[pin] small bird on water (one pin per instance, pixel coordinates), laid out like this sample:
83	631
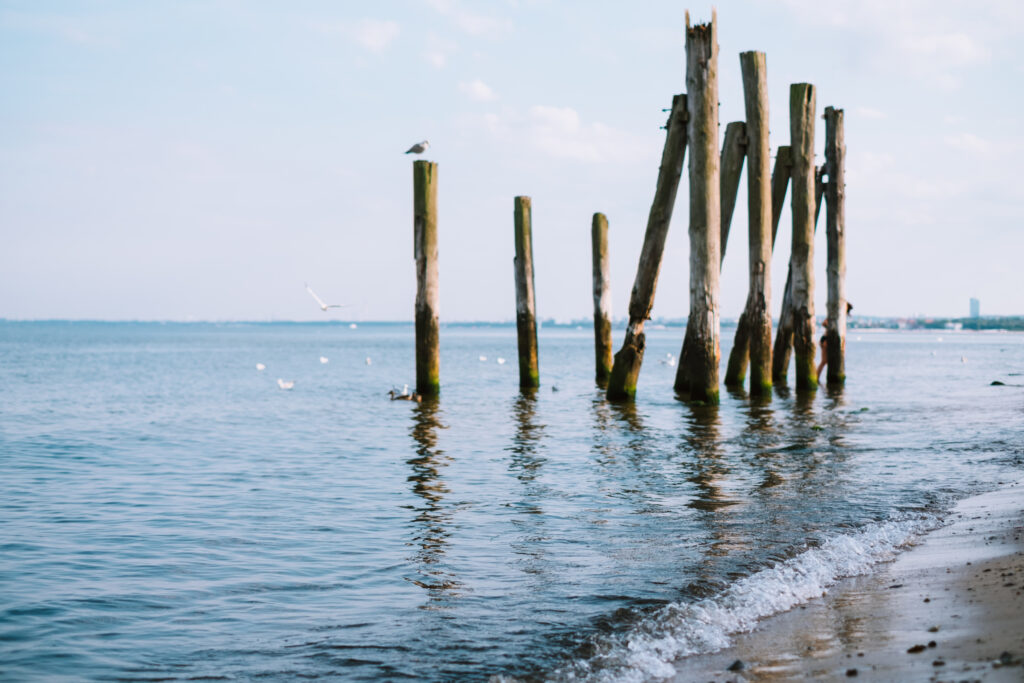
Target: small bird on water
418	148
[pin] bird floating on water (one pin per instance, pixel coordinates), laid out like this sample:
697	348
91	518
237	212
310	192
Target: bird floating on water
501	361
483	359
324	359
368	361
404	395
320	302
418	148
285	384
261	366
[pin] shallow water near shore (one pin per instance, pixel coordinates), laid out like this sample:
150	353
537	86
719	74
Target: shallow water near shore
167	512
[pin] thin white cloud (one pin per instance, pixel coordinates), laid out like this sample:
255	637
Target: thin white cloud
375	35
869	113
970	144
438	51
468	21
560	132
477	90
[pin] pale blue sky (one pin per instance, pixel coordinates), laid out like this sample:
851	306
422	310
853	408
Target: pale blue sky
202	160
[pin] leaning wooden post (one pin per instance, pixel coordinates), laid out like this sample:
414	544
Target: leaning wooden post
697	375
428	354
734	149
736	370
801	124
526	316
835	227
602	300
626	368
758	319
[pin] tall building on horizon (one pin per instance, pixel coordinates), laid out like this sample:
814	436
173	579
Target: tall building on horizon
975	308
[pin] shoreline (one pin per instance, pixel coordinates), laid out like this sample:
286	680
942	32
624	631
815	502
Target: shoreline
951	607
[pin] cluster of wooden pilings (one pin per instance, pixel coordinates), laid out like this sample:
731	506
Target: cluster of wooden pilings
714	176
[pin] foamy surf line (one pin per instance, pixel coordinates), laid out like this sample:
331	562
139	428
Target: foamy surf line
647	650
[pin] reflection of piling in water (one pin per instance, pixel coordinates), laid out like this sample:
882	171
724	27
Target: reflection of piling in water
627	362
526	315
432	518
428	354
602	300
697	373
528	435
702	439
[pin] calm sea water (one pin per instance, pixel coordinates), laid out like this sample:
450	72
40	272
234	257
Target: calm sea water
167	512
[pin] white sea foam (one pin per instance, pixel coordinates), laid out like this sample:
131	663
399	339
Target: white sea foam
646	651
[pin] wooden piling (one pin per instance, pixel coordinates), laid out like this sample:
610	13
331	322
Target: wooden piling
801	124
428	354
835	227
602	300
626	366
526	315
784	333
734	149
736	370
757	314
697	374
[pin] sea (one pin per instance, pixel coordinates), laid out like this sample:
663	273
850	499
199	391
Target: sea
168	512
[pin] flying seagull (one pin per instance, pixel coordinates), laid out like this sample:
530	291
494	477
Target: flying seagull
320	302
418	148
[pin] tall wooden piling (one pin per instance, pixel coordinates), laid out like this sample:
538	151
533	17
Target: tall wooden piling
801	124
736	370
428	354
602	300
784	333
626	366
835	226
759	200
697	375
526	315
734	150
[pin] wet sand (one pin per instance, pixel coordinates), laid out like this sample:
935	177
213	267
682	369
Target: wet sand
949	609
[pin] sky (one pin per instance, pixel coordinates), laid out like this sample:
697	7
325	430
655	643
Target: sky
202	160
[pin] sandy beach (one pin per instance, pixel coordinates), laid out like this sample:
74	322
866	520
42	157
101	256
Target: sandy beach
951	608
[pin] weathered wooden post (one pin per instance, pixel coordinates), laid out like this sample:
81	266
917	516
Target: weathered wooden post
801	124
602	300
626	368
428	354
526	316
734	149
784	333
835	226
736	370
758	319
697	375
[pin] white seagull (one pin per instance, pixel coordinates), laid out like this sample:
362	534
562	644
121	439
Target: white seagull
320	302
261	367
285	385
324	359
418	148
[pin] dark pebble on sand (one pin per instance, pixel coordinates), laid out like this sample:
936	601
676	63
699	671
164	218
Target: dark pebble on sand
915	649
738	665
997	383
932	643
938	662
933	629
851	672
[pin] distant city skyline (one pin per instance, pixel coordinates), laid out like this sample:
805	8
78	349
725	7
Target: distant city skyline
204	161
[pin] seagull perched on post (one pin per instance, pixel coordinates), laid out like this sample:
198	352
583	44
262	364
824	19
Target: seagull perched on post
418	148
320	302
